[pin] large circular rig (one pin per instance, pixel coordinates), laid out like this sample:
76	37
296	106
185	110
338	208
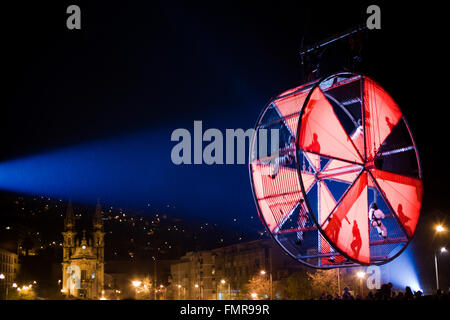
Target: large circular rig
344	185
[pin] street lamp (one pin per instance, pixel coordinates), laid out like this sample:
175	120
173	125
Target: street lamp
2	277
163	290
361	275
442	250
179	294
223	282
136	284
197	293
439	229
263	273
254	295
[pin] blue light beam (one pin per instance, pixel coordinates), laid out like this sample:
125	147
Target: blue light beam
131	171
403	271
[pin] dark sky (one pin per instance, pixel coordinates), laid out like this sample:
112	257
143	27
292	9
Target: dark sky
160	66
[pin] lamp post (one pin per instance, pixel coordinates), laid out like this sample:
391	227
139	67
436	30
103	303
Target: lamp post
263	273
441	250
164	291
222	282
179	291
2	277
197	293
439	229
136	284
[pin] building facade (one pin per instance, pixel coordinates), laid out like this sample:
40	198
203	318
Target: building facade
83	258
223	273
9	267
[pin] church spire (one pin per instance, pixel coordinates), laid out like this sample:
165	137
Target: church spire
98	221
69	221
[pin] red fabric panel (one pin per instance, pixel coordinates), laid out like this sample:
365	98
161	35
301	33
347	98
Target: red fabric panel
295	89
314	160
324	248
308	180
327	202
382	114
404	195
348	227
280	207
322	133
277	197
292	123
291	104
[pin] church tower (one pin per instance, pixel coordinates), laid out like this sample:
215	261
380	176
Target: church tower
83	258
98	236
69	235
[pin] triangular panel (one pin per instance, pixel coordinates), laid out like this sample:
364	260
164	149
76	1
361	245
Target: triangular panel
348	226
381	116
404	195
322	133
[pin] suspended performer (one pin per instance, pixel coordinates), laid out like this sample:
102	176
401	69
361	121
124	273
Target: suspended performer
358	136
302	221
286	158
375	216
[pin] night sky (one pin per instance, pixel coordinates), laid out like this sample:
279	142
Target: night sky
143	69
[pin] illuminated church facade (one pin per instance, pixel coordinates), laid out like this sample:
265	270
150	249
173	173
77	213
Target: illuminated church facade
83	258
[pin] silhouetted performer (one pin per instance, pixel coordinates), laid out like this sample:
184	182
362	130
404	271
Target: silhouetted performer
375	216
333	228
403	218
358	136
315	145
357	242
389	123
286	158
302	220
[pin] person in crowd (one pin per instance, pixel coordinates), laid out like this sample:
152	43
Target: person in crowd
385	291
347	295
408	294
418	295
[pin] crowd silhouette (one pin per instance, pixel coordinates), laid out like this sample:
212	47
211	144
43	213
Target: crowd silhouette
386	292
